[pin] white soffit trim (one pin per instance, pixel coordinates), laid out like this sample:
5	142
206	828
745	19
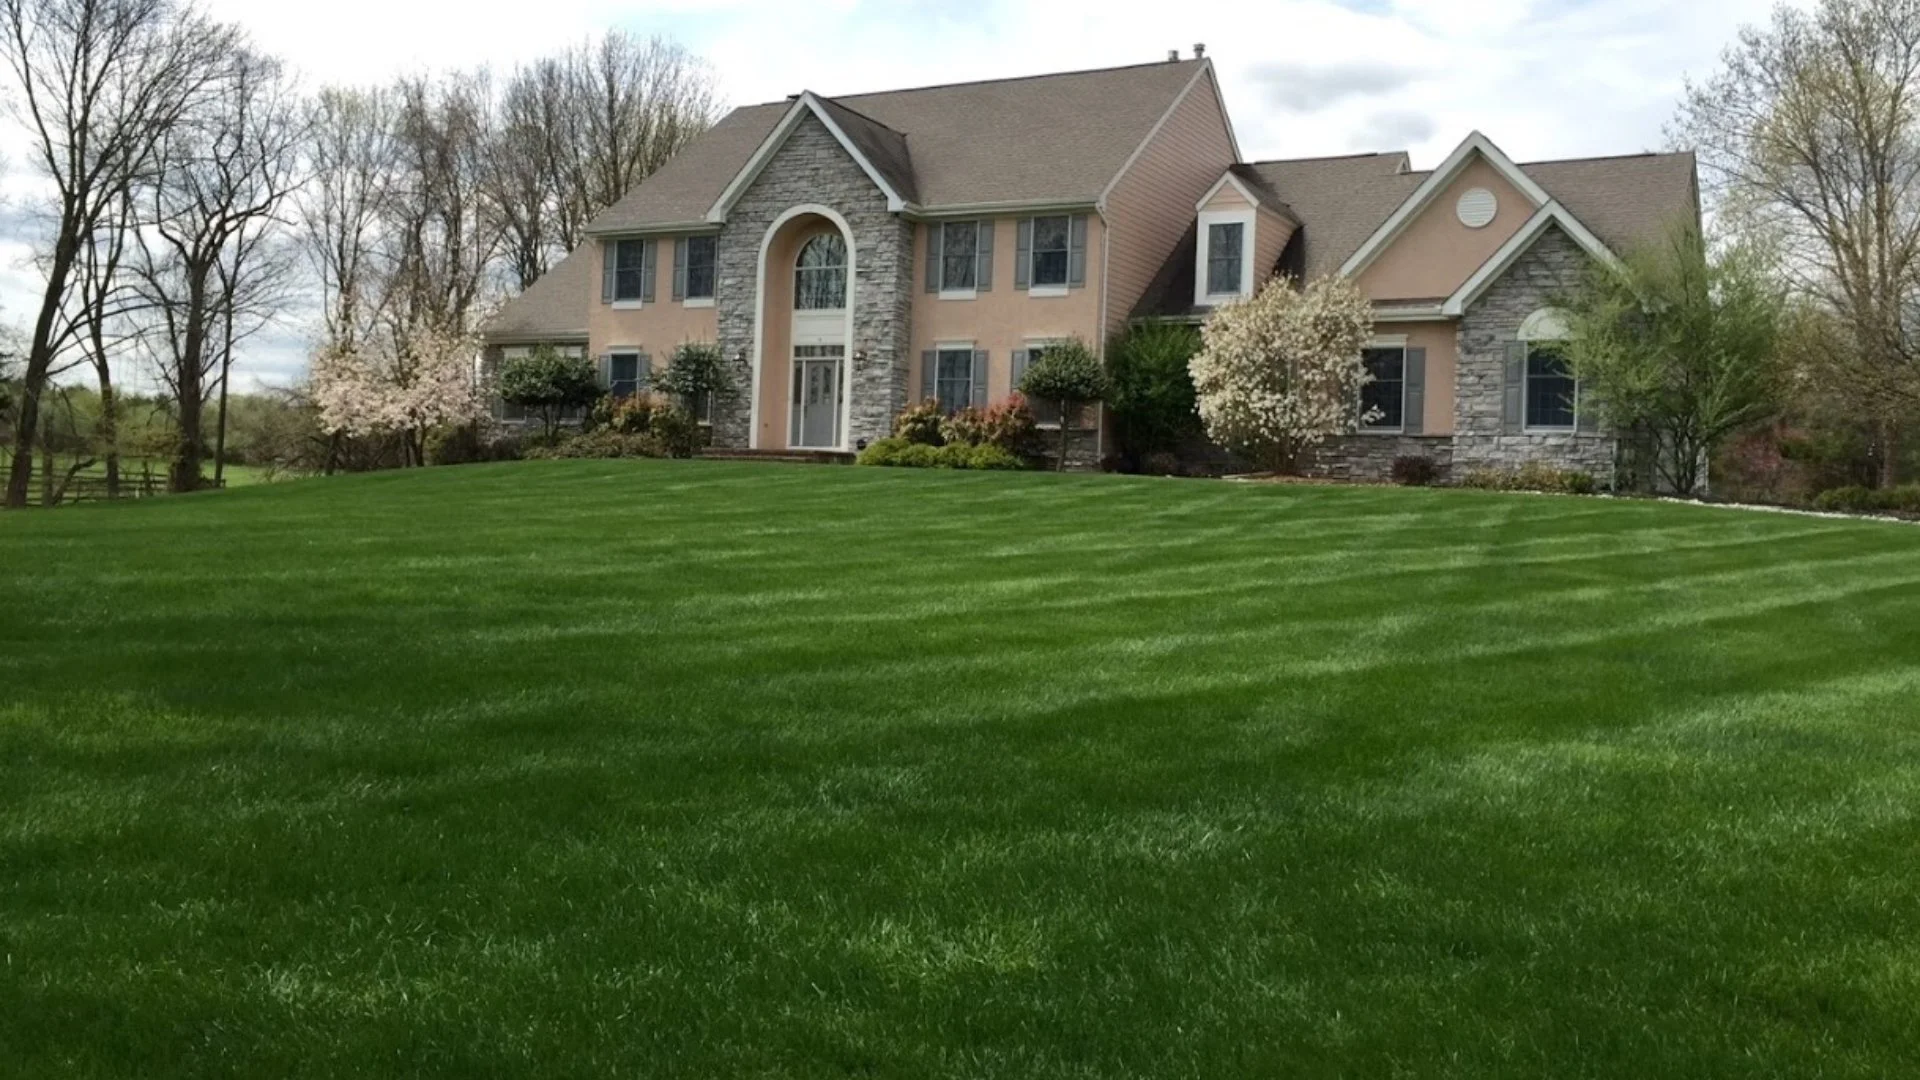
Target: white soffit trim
1238	185
1550	214
1475	143
806	103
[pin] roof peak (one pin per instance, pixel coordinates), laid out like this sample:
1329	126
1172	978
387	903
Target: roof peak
1188	63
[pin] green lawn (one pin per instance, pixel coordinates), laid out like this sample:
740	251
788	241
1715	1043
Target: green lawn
697	769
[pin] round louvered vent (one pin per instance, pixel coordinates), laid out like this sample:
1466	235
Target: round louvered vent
1477	208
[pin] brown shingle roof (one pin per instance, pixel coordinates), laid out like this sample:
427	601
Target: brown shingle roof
554	308
1042	138
1624	200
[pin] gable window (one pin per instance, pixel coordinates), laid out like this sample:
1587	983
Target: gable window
701	260
1551	389
630	270
1386	396
959	248
1052	248
820	274
1223	267
1224	243
953	377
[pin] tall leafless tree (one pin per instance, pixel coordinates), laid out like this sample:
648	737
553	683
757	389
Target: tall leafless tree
99	85
229	166
1811	130
351	160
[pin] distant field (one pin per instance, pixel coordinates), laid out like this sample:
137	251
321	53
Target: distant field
701	769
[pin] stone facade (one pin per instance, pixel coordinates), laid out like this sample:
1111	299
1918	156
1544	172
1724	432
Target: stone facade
1549	269
1370	457
811	167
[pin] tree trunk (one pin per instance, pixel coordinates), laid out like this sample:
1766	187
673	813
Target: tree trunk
1065	436
1889	454
226	370
192	443
39	366
109	432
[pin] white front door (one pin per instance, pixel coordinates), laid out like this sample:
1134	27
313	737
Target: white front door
815	423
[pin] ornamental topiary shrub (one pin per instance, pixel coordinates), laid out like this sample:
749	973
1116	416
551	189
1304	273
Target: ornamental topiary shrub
1532	476
1008	425
549	384
1068	376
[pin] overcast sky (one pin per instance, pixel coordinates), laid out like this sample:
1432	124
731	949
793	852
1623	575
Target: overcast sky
1542	78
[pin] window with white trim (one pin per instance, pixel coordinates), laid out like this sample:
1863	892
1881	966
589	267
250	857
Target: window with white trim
1386	395
820	274
1224	242
1551	393
629	269
1223	266
953	377
1052	251
959	251
702	259
623	374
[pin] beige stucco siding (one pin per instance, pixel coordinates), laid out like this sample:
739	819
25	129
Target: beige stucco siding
1004	318
657	328
1435	253
1441	342
1153	203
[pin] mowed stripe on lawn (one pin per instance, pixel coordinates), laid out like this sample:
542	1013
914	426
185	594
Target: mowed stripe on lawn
704	769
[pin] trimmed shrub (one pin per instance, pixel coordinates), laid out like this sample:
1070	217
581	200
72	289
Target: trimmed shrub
1067	376
604	443
899	453
470	444
1161	463
1532	476
675	430
630	415
922	423
1411	470
1008	425
549	384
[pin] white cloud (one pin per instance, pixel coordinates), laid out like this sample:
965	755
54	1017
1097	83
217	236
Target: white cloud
1543	78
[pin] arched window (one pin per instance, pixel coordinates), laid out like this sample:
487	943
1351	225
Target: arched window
820	274
1551	393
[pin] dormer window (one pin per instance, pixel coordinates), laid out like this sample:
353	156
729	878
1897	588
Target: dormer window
1225	241
1223	269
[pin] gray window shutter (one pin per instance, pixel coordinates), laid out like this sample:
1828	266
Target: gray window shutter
680	268
983	262
929	362
605	371
1023	254
979	388
1077	252
1413	412
643	371
609	268
936	240
1586	418
647	248
1019	369
1514	418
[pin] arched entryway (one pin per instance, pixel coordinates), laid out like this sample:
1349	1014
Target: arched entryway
804	332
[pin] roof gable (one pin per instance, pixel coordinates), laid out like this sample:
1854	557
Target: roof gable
874	141
1549	216
1475	146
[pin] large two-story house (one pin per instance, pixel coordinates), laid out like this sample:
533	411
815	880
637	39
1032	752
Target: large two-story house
851	255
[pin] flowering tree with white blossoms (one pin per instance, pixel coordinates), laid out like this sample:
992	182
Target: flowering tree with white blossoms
1278	374
406	388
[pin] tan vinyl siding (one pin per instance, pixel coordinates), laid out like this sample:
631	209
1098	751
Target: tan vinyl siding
1271	234
1153	204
